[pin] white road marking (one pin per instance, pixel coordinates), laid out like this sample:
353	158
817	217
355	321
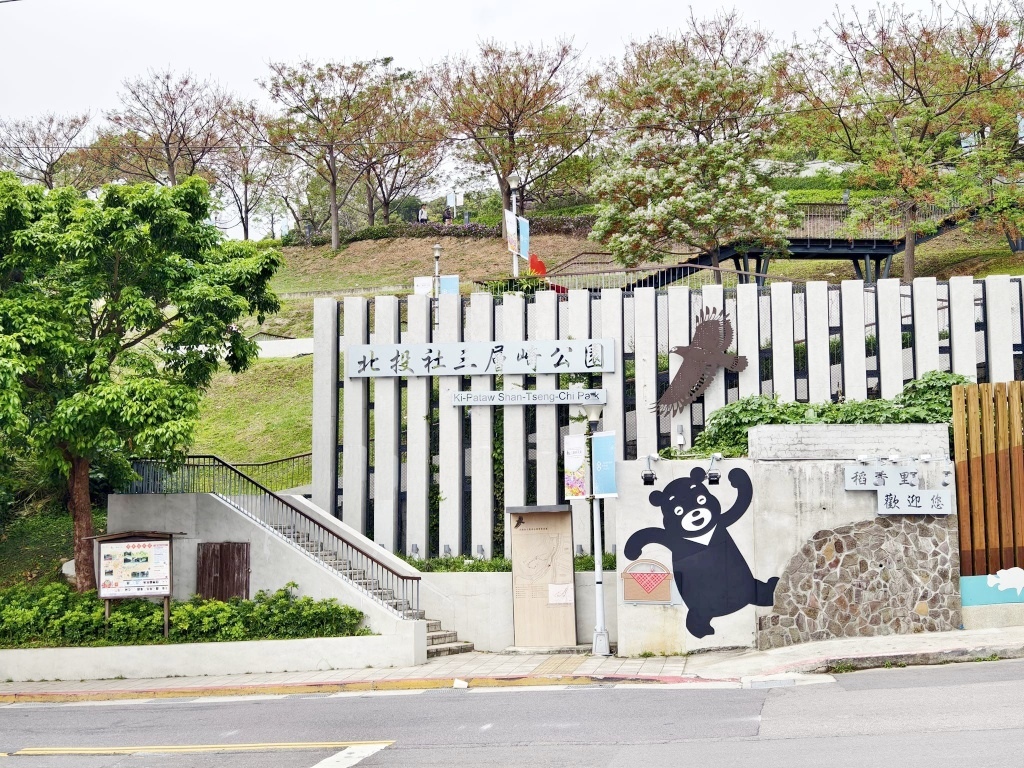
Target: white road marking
361	694
231	699
486	727
226	734
350	756
501	688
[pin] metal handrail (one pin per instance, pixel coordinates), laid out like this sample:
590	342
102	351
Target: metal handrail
279	474
397	592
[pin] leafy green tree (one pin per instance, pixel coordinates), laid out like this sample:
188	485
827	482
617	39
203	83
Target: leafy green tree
696	124
114	315
895	92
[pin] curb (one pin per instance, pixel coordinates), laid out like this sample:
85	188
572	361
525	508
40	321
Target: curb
841	663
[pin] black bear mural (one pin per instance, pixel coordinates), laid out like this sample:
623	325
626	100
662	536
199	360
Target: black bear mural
710	572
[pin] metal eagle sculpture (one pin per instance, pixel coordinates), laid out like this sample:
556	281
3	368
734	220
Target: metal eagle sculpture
708	351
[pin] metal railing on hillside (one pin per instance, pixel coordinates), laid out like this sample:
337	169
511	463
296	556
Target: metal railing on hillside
398	592
280	474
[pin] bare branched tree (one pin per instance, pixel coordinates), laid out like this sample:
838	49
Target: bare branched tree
41	149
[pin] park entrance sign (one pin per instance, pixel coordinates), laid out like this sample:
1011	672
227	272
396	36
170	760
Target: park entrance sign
532	397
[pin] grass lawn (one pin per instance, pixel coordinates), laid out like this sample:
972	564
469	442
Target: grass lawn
294	319
33	548
261	414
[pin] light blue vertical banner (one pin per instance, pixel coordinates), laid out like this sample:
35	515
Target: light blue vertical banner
602	452
524	237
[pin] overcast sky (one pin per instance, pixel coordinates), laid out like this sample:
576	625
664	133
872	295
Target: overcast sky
71	55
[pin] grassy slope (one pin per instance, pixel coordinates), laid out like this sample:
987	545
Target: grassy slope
264	413
33	548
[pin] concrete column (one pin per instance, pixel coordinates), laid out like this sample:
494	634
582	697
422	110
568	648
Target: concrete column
481	328
890	337
325	404
962	329
645	351
748	338
999	324
452	454
783	364
819	364
387	410
577	326
513	326
855	385
417	454
714	396
355	466
926	326
548	480
681	424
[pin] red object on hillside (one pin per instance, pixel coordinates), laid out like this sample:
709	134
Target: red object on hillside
537	266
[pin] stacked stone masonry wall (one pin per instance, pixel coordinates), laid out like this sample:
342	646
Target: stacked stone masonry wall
887	576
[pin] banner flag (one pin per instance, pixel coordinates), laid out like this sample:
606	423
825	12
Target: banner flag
574	448
602	452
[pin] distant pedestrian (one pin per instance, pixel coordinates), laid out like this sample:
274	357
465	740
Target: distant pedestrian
447	219
421	217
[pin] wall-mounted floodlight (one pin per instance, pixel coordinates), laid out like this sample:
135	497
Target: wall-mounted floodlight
893	458
925	457
447	550
648	475
864	459
415	550
714	477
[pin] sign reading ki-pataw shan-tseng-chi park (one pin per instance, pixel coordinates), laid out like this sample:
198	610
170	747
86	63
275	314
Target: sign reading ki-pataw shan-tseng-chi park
486	358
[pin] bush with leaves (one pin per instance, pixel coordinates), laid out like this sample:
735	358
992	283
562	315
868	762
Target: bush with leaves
55	615
924	401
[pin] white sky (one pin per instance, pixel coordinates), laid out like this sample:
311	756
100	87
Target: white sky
71	55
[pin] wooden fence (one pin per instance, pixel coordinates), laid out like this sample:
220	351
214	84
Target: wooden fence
988	437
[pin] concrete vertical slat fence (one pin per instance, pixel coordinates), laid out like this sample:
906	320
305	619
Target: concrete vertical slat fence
889	335
481	328
513	328
962	329
577	326
450	420
713	297
926	326
645	340
548	444
356	457
417	454
680	429
387	425
819	361
325	405
855	384
748	338
999	328
783	378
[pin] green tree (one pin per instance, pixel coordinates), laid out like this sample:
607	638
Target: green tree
686	173
114	315
895	92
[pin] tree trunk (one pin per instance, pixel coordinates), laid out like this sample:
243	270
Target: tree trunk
506	203
908	255
333	190
245	211
385	211
715	263
172	175
80	507
369	202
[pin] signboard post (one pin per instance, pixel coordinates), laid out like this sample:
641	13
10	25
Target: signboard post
136	564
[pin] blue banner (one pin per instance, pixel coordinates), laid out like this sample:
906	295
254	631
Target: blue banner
602	452
524	237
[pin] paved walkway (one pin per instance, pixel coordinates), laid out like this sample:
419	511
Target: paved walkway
735	669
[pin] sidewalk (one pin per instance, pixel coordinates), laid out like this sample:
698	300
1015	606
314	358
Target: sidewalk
732	669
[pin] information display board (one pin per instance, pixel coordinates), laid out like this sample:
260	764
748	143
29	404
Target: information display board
135	569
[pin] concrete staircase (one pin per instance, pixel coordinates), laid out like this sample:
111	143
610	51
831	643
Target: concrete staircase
440	642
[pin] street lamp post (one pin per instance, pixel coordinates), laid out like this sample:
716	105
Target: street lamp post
437	270
601	646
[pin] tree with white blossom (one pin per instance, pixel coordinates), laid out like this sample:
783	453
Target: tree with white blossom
686	172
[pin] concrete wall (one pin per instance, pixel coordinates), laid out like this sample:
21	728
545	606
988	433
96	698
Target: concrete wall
798	481
479	606
274	561
146	661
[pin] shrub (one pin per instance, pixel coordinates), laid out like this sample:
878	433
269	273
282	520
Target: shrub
55	615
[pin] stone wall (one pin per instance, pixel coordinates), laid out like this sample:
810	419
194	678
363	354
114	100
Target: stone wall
889	575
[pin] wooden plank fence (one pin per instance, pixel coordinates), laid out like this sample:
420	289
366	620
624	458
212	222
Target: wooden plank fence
988	443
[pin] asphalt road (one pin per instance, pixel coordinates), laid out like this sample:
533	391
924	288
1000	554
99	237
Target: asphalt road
964	714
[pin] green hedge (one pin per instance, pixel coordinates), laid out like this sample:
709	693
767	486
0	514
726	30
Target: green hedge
56	615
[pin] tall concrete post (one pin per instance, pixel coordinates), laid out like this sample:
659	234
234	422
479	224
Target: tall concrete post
325	404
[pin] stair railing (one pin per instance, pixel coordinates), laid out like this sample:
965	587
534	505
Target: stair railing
397	592
279	474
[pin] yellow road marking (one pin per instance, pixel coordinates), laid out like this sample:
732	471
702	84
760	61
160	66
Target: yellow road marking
182	748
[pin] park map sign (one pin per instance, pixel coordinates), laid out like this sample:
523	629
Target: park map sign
135	569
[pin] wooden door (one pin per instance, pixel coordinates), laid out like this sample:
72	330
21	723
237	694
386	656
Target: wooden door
223	570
